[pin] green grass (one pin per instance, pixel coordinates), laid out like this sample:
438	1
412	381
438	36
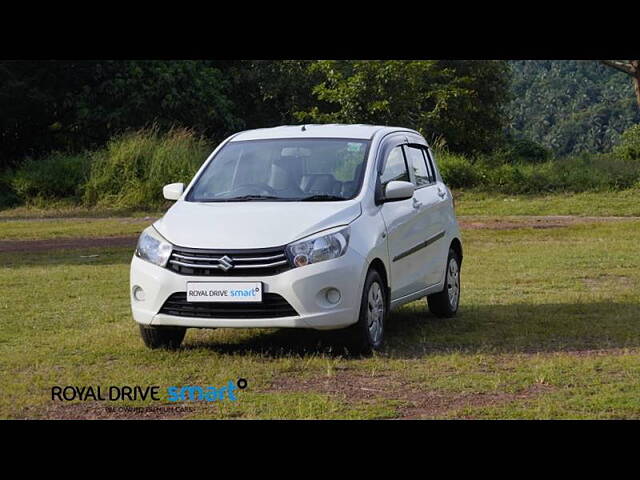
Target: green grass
614	203
68	209
70	227
548	328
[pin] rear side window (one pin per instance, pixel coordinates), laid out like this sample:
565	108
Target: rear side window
418	164
432	171
395	168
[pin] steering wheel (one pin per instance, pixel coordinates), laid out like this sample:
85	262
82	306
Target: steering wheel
254	189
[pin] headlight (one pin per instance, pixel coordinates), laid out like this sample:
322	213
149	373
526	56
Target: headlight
153	248
319	247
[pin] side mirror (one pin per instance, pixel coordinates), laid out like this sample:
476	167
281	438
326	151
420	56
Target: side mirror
398	190
173	191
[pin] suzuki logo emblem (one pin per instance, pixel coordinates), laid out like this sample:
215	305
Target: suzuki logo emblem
225	263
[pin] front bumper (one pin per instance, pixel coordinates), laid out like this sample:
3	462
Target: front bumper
304	288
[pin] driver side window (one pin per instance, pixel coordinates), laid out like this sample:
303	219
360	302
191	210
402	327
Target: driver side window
395	168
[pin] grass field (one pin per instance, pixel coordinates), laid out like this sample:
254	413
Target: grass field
547	328
71	227
614	203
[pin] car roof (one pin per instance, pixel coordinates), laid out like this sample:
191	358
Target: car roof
364	132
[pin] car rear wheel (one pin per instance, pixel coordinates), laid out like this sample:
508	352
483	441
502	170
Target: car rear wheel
368	332
445	303
162	337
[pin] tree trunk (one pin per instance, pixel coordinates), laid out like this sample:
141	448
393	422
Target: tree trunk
636	79
630	67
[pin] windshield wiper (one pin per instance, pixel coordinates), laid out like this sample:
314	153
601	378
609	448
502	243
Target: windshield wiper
321	198
246	198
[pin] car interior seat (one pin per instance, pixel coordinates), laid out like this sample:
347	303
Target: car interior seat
349	187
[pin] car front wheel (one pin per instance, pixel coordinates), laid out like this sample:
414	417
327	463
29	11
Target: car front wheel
368	332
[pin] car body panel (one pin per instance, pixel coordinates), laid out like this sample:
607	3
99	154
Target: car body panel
251	224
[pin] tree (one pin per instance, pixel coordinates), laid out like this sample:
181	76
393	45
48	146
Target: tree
570	106
136	93
460	102
630	67
72	105
266	93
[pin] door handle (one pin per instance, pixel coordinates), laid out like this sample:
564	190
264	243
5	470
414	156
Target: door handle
416	203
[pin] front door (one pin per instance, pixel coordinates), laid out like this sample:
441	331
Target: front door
404	231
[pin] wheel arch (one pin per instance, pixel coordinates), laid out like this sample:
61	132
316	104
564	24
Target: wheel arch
378	265
456	245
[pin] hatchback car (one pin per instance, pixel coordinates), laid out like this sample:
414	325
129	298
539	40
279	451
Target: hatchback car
314	226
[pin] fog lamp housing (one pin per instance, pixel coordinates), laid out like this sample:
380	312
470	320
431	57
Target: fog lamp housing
333	295
138	293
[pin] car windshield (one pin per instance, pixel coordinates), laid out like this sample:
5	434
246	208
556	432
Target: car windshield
283	170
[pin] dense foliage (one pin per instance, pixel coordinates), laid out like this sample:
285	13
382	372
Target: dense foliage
55	176
629	146
74	105
459	102
503	172
132	169
571	106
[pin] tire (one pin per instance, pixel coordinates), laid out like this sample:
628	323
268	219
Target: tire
444	304
367	334
162	337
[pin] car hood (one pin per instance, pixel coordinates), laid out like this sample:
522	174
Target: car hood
251	224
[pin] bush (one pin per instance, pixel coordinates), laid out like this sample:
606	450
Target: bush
515	152
629	146
575	174
57	176
505	178
527	151
8	196
131	171
457	170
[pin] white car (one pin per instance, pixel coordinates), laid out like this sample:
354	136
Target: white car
314	226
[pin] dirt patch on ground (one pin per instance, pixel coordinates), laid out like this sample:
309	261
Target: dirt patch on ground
608	281
415	402
609	352
66	243
536	222
97	411
432	404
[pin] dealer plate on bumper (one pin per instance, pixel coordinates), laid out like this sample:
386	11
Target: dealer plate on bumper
224	291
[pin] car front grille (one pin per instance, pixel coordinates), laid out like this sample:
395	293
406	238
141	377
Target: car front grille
272	306
228	263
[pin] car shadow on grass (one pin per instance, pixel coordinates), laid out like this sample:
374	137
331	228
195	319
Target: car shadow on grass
275	343
515	328
413	332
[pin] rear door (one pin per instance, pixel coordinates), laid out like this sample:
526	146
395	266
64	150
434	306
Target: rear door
430	223
443	212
